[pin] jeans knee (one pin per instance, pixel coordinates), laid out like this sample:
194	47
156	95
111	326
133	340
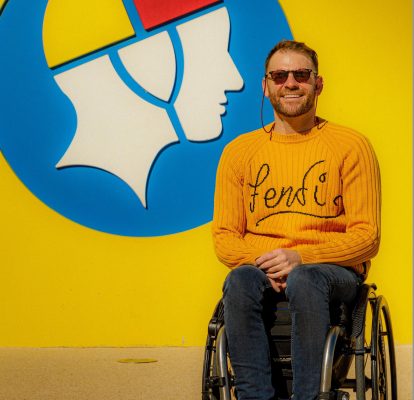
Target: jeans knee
305	281
245	279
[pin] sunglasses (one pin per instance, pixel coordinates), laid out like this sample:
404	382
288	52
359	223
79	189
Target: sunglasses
280	76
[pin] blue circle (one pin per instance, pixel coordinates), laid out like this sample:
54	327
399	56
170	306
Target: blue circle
38	122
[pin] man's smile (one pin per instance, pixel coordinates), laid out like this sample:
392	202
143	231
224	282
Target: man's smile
291	96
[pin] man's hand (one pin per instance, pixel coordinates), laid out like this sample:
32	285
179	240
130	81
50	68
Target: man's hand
277	265
278	285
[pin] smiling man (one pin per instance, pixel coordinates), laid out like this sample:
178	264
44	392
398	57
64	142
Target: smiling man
297	216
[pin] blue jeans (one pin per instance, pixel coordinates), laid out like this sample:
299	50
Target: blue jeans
310	290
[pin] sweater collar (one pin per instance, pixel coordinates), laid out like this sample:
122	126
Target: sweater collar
298	137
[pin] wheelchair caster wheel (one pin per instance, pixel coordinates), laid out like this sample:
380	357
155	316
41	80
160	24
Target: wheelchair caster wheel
342	395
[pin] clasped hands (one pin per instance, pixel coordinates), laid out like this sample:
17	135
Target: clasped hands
277	264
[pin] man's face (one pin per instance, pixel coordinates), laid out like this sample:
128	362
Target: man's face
291	98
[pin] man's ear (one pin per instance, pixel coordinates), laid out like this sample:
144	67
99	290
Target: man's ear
264	87
319	85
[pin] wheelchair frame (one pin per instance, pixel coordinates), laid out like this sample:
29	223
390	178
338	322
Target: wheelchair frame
373	352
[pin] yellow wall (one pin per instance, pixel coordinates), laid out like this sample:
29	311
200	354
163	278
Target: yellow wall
75	28
63	284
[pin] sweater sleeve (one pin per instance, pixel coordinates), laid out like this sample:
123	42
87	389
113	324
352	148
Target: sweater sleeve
229	221
361	195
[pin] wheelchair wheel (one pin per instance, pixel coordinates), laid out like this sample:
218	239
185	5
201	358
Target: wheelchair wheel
218	377
383	365
375	354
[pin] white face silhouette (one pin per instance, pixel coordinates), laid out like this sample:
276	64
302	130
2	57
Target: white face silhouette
209	71
120	132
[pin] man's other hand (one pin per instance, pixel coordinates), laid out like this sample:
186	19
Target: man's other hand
278	285
277	265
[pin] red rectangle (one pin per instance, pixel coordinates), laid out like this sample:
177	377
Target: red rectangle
157	12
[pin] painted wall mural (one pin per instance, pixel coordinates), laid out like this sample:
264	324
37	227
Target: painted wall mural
122	131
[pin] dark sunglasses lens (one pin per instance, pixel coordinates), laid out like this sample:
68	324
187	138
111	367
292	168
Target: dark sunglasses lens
302	75
279	77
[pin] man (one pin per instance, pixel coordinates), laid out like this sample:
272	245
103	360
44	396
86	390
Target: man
297	210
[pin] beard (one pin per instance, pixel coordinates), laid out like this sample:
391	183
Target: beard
293	110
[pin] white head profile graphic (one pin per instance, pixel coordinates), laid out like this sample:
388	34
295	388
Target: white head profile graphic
120	132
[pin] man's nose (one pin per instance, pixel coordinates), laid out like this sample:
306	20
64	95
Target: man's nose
291	82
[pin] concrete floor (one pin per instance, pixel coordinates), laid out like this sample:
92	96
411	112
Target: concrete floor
98	374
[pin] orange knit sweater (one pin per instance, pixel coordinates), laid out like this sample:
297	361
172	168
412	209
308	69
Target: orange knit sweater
317	193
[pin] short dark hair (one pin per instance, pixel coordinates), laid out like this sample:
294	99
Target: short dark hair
292	45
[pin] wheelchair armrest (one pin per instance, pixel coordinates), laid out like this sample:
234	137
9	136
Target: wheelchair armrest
217	320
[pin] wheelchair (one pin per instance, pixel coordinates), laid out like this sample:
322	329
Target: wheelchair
360	335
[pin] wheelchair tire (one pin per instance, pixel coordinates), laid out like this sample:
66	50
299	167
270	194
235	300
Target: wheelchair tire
383	364
218	378
209	390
